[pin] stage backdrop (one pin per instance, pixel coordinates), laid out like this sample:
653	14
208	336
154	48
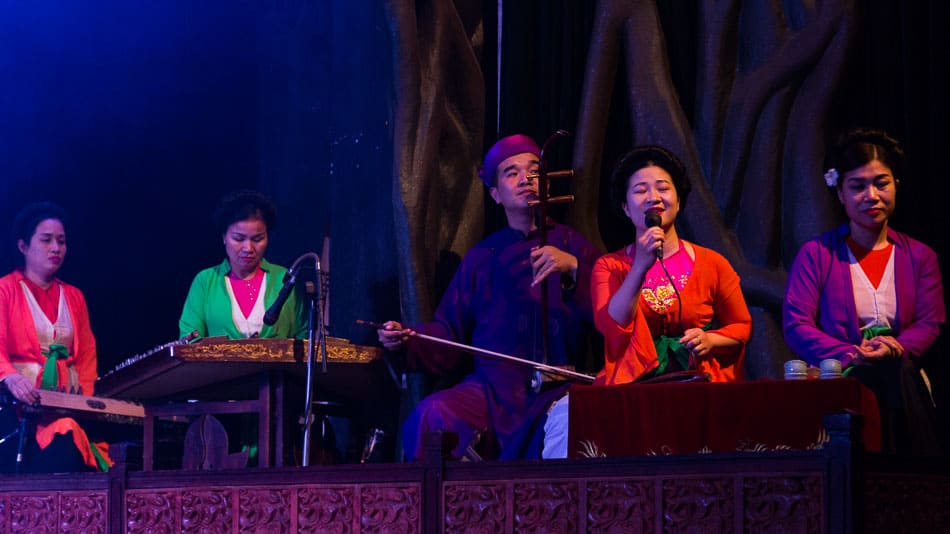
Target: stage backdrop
748	93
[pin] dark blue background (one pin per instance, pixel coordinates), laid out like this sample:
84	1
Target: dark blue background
138	116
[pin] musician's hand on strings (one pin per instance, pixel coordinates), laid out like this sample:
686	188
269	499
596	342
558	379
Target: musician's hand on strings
21	388
549	259
392	335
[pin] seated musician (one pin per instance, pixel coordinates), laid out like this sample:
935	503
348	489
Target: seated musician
230	299
869	296
684	312
46	342
493	303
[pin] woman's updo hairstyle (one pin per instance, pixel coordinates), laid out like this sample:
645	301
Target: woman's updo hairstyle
28	218
243	205
860	146
639	158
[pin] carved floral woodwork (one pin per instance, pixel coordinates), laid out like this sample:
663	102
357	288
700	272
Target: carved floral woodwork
54	511
474	507
278	509
699	504
621	505
519	500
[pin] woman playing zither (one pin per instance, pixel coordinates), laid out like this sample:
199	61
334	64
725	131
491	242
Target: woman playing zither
46	343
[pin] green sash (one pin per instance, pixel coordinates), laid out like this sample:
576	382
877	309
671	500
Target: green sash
56	352
100	460
669	349
50	382
871	332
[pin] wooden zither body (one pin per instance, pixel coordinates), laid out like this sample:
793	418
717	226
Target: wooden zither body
80	406
178	368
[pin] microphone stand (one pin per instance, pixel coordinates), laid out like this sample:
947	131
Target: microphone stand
314	321
323	281
7	398
21	443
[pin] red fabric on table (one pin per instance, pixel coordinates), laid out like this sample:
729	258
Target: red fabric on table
687	418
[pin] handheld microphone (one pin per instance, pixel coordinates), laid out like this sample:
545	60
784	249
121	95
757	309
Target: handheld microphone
270	317
652	219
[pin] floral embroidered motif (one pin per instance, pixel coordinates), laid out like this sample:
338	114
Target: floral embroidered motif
818	444
823	438
666	450
589	449
659	299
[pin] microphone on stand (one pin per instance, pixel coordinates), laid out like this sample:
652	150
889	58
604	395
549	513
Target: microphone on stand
653	219
315	322
270	317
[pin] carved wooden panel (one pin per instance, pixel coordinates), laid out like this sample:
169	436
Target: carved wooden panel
264	510
207	511
33	513
474	507
783	503
621	506
343	509
83	512
326	509
895	503
390	509
546	506
699	505
4	514
152	512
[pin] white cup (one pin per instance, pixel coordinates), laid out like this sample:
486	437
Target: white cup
830	368
796	370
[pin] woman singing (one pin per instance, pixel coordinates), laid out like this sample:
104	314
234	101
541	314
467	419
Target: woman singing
684	313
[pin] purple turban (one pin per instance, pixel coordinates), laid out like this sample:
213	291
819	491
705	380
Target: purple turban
502	150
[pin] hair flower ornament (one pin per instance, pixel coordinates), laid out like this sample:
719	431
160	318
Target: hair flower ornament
831	177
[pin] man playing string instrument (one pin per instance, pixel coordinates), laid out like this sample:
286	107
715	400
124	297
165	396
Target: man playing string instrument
494	302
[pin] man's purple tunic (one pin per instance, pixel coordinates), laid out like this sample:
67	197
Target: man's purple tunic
490	304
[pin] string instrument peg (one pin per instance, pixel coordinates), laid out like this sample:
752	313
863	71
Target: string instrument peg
567	173
563	199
